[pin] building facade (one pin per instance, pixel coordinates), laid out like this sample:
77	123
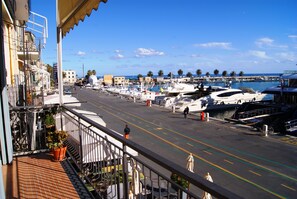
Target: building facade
70	77
108	79
120	81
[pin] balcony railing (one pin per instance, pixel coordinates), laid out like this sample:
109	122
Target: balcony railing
110	165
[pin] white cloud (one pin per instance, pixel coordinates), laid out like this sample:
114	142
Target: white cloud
145	52
117	51
80	53
293	36
264	42
195	55
223	45
118	56
267	42
289	56
259	54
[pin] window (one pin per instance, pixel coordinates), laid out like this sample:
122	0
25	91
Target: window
227	94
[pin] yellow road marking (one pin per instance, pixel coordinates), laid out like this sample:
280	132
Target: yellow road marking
159	128
202	159
189	144
288	187
228	161
209	153
255	173
220	150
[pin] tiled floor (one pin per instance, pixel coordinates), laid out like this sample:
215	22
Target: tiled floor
37	176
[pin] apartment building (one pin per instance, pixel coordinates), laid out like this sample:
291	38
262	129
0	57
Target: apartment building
70	77
120	81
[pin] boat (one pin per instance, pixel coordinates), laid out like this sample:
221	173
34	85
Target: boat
175	91
216	98
280	113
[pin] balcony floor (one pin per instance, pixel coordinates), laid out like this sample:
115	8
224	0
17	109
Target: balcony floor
37	176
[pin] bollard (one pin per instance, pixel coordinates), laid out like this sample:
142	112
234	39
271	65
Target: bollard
173	109
202	116
134	99
265	130
207	117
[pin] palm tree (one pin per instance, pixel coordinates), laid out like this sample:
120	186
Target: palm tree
139	76
64	74
93	72
160	73
89	73
49	69
180	72
189	74
241	73
207	74
198	72
150	74
224	73
233	73
216	72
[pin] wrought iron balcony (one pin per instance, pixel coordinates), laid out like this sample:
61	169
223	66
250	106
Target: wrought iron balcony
108	164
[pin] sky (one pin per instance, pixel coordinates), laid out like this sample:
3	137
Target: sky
136	36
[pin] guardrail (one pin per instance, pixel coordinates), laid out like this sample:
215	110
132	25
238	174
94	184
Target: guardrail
291	125
110	165
257	112
118	168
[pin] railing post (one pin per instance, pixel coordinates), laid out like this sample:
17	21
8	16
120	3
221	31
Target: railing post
125	170
80	147
61	119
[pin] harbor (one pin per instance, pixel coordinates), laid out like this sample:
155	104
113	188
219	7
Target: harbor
128	100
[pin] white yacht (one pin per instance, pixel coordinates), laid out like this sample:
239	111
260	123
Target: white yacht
175	91
218	98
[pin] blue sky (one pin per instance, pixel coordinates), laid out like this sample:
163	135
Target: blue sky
136	36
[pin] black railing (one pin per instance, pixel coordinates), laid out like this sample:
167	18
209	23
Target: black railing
110	165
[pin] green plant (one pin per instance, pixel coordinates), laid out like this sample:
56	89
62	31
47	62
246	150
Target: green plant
49	120
179	180
55	139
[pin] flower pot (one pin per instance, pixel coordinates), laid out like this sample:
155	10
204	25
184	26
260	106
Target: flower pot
60	153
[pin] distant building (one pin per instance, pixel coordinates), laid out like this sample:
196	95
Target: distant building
107	79
93	80
148	79
70	76
160	79
55	73
120	81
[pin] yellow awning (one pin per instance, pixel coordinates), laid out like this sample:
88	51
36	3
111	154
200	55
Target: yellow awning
70	12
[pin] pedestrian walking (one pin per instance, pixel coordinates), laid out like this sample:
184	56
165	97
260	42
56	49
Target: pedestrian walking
126	131
186	111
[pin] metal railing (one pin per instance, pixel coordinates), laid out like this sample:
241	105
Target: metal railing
291	125
257	112
110	165
115	167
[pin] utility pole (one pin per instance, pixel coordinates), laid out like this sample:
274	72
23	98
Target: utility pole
83	66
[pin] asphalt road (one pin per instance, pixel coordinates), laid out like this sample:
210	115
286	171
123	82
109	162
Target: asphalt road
237	158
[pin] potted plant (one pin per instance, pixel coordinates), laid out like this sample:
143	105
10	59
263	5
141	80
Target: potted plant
180	181
49	120
55	142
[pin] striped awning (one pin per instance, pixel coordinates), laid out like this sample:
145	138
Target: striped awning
70	12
